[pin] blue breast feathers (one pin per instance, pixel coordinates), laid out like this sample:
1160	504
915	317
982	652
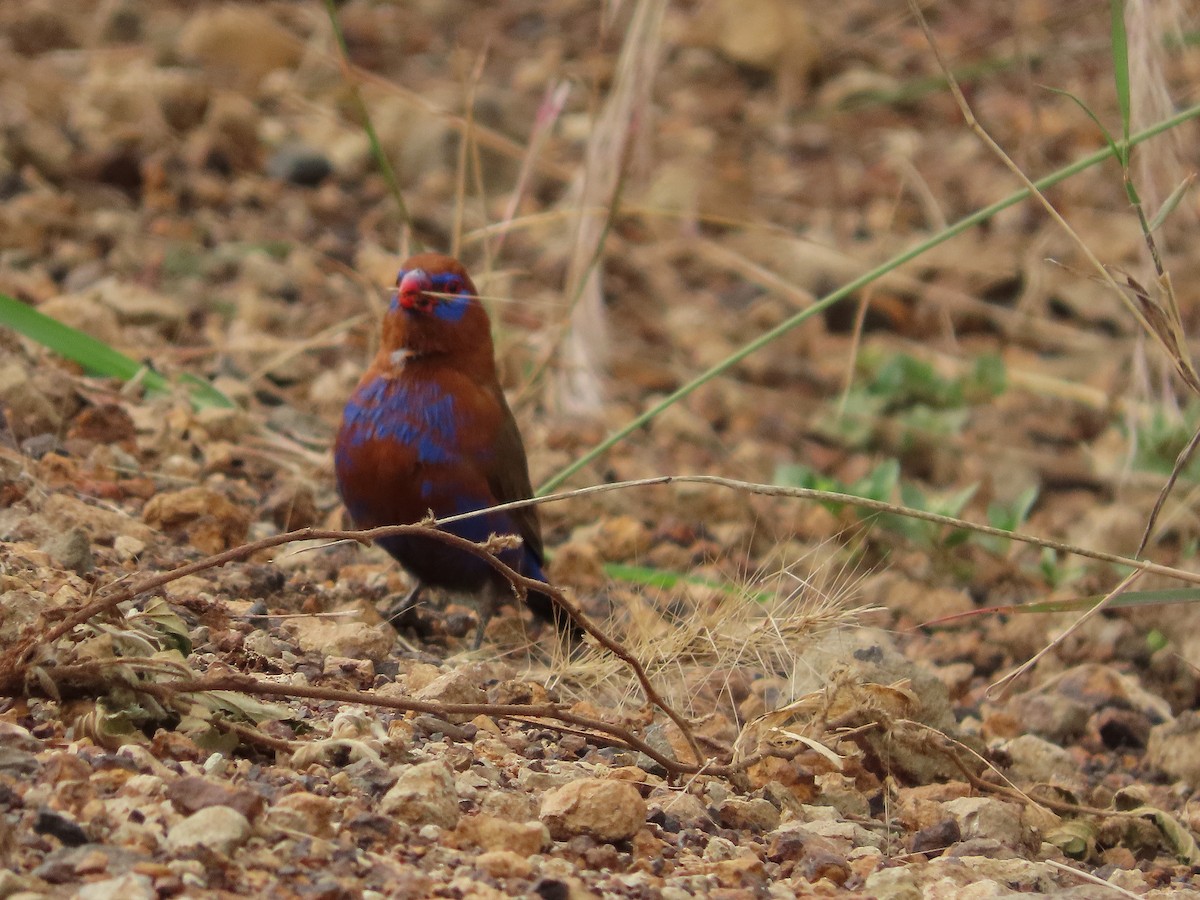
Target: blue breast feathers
421	416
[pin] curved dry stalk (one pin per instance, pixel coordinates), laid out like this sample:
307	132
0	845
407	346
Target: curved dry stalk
23	646
1011	793
774	490
246	684
12	670
13	666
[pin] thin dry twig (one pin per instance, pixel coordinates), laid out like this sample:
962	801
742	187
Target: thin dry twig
23	651
1088	876
999	689
799	493
246	684
770	490
1058	806
13	669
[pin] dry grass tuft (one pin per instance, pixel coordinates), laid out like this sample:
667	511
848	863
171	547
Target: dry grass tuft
718	642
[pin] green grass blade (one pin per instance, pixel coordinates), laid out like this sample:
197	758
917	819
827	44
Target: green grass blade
96	357
857	284
381	159
1171	202
1120	55
1128	600
1122	155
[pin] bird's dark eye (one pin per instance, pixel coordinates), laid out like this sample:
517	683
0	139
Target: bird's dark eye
451	284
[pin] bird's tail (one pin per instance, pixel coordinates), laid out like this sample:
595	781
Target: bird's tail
544	607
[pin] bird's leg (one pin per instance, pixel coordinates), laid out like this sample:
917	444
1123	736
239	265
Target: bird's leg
487	608
397	610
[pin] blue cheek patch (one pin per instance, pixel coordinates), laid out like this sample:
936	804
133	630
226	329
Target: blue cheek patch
450	309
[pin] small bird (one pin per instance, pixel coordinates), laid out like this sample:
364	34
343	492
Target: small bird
428	429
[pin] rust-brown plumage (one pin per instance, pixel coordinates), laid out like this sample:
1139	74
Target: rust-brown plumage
428	428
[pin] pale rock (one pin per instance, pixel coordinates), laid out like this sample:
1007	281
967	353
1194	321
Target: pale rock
15	763
1037	761
710	503
218	828
423	795
128	547
130	886
209	520
492	833
616	538
416	139
685	807
12	735
182	95
113	110
577	564
604	809
28	410
84	312
138	305
306	813
420	674
225	424
847	834
984	817
193	793
512	807
504	864
455	686
852	82
263	644
541	782
1174	748
974	875
919	601
38	28
755	814
362	669
772	35
683	425
71	549
719	849
47	147
355	640
895	883
102	525
19	610
230	129
239	42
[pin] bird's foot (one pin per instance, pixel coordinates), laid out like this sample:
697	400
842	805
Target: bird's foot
399	611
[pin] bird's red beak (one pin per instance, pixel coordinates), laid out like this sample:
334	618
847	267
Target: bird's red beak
410	288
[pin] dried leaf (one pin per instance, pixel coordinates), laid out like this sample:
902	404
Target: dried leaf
1075	837
1175	833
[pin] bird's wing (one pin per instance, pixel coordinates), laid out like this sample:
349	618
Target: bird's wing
508	479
